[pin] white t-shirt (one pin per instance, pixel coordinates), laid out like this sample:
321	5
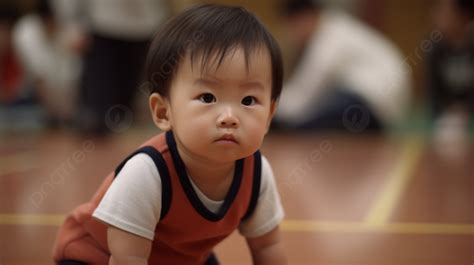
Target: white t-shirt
133	201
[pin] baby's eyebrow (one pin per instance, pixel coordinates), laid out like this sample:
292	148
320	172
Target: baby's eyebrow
212	82
252	84
206	82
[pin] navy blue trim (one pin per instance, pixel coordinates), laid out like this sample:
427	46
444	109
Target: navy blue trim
191	193
257	179
212	260
160	164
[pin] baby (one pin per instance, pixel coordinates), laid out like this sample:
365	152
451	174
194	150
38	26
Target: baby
215	75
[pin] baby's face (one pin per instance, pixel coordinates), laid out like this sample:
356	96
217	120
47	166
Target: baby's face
222	114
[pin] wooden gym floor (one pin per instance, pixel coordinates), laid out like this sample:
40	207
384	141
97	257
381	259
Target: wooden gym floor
349	200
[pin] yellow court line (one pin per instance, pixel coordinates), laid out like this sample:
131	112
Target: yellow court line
31	219
392	228
397	181
290	225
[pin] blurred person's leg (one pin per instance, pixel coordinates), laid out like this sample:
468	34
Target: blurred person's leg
110	78
130	70
342	111
94	80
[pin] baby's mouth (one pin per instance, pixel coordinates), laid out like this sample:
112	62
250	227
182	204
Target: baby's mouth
227	138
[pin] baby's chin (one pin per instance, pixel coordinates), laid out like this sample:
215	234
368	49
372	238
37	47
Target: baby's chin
227	157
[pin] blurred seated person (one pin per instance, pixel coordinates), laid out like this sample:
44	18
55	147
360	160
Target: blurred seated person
451	74
349	77
11	76
51	68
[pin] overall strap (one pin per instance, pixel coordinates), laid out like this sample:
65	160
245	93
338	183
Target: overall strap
257	176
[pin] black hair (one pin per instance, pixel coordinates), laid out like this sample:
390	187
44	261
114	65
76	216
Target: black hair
205	31
292	7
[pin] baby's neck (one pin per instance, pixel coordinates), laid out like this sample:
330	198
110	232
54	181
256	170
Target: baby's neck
212	178
205	172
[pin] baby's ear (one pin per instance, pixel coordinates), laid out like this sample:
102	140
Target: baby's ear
160	108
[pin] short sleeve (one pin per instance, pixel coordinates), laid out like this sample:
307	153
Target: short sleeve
269	211
133	200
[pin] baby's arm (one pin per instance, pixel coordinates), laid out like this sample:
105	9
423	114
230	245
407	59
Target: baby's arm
131	208
267	249
261	228
127	248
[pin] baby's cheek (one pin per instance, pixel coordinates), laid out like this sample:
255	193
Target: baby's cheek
190	130
256	132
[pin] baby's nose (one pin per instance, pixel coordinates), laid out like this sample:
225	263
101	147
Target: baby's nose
228	119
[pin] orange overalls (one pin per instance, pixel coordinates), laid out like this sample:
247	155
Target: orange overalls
187	231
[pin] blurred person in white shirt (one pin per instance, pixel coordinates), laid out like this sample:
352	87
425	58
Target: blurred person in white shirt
52	69
349	77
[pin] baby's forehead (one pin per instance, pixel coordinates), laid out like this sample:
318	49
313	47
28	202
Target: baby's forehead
209	61
234	67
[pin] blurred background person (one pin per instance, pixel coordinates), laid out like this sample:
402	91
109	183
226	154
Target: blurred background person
51	68
450	75
348	77
11	76
112	36
18	109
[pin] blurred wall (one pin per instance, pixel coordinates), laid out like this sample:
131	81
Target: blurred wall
265	9
408	24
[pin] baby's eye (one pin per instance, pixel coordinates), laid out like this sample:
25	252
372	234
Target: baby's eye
249	101
207	98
